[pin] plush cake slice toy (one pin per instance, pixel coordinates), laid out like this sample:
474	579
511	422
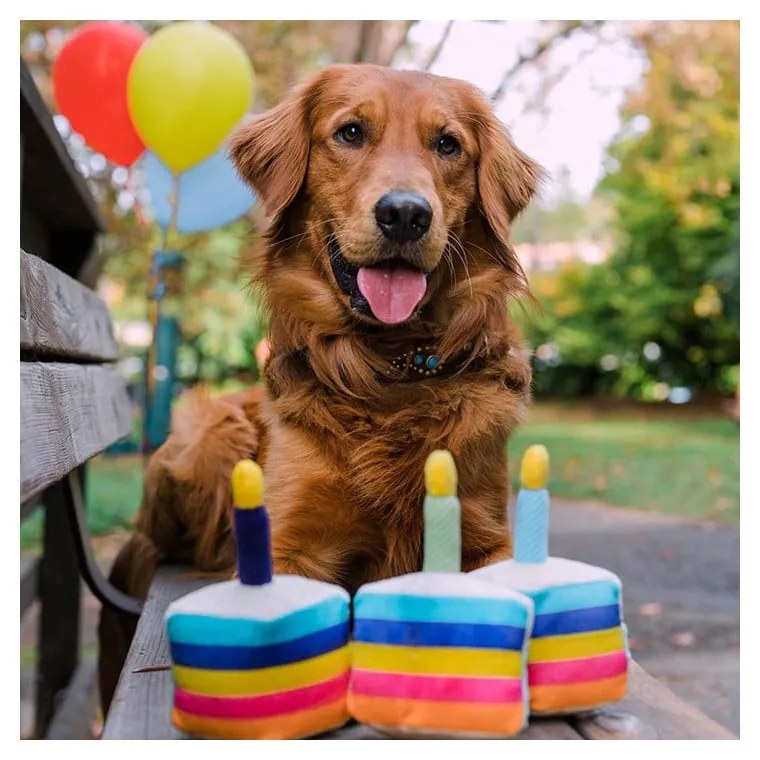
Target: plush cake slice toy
440	653
261	656
578	654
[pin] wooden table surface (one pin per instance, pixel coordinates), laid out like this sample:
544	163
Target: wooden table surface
142	703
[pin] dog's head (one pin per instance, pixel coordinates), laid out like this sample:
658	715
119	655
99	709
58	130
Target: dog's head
388	177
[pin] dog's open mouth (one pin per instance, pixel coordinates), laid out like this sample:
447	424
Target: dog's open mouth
390	291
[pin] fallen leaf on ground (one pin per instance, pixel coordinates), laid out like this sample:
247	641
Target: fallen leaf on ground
651	609
683	639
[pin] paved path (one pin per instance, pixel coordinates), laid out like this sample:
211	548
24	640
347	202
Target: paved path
680	595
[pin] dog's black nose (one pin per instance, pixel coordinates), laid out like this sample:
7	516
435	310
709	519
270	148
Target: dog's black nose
403	217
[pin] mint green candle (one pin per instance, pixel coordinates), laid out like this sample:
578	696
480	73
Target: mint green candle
442	543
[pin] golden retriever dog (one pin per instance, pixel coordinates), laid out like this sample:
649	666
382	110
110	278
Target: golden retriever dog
386	272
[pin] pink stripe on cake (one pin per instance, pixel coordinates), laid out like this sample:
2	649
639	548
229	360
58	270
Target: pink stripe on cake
578	670
436	688
265	705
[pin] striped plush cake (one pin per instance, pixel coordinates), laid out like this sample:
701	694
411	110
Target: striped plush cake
261	657
440	653
578	654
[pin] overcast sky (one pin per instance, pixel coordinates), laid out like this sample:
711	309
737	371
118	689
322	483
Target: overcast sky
571	127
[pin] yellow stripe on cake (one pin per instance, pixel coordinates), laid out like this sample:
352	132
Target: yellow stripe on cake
233	683
452	661
574	645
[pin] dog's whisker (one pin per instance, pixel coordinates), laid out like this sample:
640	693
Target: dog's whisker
450	263
459	249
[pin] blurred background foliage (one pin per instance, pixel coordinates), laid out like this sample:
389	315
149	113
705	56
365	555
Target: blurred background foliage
662	311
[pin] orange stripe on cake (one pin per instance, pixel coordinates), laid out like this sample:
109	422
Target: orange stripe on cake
294	726
431	715
576	696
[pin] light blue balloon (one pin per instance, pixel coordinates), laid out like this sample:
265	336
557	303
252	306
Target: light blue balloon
210	194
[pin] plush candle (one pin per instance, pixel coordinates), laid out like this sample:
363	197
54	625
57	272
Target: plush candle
442	515
578	653
532	509
252	534
263	656
439	653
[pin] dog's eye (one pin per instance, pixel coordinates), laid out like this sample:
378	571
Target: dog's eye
351	134
448	146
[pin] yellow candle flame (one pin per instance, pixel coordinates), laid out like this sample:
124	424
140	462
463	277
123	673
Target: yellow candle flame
440	474
247	485
534	471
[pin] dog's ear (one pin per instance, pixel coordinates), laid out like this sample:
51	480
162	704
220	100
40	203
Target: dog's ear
507	180
271	151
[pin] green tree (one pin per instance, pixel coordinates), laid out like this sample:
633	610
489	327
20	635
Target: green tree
663	310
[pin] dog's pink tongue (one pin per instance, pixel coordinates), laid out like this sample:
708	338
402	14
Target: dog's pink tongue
392	294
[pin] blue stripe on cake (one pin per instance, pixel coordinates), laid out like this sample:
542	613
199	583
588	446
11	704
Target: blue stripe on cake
423	634
212	657
576	621
577	596
249	632
440	609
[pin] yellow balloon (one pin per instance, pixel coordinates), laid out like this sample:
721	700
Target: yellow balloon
189	85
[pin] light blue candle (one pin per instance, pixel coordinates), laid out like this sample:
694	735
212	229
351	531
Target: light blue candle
532	509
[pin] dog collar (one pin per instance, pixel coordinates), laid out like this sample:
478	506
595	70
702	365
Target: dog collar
421	363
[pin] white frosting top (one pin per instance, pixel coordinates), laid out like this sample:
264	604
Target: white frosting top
285	594
443	584
556	571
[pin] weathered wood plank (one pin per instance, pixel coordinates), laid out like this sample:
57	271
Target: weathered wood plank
73	718
538	728
61	317
69	413
142	702
549	728
30	579
650	711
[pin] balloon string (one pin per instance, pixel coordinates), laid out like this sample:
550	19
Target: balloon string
174	203
156	294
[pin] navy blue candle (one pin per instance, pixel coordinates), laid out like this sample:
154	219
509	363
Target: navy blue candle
251	523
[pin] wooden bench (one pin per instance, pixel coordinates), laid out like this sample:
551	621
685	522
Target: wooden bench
142	703
73	406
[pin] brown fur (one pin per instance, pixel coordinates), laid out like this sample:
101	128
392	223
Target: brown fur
343	452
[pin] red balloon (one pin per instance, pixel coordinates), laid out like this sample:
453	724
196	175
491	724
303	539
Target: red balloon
90	87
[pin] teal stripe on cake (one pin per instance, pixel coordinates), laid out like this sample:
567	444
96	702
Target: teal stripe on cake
440	609
220	631
575	597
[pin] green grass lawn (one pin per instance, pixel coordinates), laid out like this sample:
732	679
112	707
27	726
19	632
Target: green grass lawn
660	462
668	463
